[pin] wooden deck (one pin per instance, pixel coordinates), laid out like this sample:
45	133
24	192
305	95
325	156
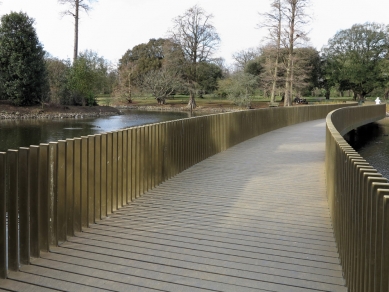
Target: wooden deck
252	218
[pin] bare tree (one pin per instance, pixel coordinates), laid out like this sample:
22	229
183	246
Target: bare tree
294	12
198	38
244	56
161	83
273	22
74	10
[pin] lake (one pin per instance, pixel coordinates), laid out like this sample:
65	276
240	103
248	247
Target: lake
23	133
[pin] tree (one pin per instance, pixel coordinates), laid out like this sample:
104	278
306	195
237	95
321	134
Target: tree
354	58
243	57
161	83
23	73
293	12
58	73
273	22
86	78
195	34
207	76
239	88
144	58
74	11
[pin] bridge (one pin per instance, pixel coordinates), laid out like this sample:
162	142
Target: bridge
228	202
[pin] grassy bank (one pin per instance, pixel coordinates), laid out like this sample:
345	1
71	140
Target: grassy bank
208	101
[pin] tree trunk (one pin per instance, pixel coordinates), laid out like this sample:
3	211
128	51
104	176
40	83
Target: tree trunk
289	69
192	101
75	51
272	97
288	83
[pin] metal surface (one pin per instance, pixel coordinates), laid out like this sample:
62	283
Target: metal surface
3	218
119	156
61	192
97	160
91	179
84	181
12	193
109	172
34	197
53	190
356	195
77	185
70	187
103	176
24	206
43	189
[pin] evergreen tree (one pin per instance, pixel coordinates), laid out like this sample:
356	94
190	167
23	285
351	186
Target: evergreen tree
22	66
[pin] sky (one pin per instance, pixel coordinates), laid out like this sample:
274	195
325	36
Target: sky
114	26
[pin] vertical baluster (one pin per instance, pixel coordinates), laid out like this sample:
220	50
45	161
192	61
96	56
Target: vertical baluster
91	179
33	167
114	171
53	190
61	192
97	177
84	182
43	188
119	169
70	186
24	206
103	176
13	208
77	185
3	218
124	167
109	173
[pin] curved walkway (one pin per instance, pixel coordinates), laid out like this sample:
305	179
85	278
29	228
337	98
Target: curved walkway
252	218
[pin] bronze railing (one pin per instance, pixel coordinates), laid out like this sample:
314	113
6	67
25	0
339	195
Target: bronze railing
358	198
50	191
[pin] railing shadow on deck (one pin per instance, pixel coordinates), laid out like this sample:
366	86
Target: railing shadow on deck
50	191
358	198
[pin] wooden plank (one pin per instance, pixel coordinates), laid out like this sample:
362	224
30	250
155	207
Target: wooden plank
96	278
11	285
165	273
65	284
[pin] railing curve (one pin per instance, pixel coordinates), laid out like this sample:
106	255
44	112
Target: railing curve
358	198
50	191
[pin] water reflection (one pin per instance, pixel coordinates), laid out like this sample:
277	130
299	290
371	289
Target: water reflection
372	143
23	133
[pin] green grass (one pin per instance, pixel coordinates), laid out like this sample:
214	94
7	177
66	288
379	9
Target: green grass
207	100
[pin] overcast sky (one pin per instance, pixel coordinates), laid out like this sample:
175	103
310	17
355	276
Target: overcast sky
113	26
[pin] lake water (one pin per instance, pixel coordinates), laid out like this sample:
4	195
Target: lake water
23	133
372	143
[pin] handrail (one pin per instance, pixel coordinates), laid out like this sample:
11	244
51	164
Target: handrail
53	190
358	198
